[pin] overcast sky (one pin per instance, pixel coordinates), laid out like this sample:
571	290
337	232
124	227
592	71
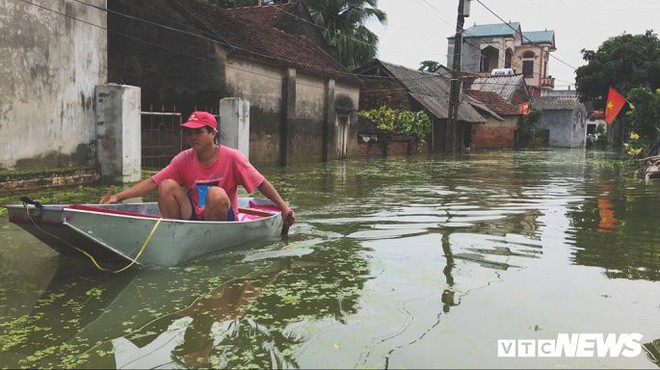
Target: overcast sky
417	30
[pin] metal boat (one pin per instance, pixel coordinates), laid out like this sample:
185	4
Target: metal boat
134	233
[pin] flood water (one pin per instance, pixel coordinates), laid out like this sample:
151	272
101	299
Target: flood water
409	262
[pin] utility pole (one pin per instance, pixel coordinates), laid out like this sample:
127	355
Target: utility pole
455	87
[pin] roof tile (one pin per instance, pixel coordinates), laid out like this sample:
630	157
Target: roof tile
250	30
494	102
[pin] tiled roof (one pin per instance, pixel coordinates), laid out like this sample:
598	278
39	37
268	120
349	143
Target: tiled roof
431	90
494	102
487	30
555	103
538	37
265	15
250	31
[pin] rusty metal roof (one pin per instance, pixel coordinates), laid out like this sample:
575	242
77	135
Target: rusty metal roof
505	86
431	90
555	103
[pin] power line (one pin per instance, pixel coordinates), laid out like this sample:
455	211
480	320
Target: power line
530	41
422	76
467	41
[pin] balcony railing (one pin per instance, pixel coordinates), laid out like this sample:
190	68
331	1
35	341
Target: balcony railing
548	82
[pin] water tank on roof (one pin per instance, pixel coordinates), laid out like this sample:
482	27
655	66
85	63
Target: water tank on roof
502	71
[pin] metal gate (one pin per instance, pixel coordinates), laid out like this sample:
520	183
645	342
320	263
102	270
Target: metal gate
161	138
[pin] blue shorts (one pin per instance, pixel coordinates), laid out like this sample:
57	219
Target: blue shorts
231	216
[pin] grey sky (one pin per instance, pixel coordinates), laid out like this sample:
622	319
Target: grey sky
417	30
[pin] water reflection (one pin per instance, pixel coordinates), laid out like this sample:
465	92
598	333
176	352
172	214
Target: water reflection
608	219
212	331
399	262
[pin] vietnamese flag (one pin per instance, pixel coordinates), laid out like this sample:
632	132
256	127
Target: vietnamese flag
523	108
614	104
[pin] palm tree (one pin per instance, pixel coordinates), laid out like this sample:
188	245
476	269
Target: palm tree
342	23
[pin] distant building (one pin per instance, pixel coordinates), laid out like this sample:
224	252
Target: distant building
399	87
501	46
568	92
563	122
496	132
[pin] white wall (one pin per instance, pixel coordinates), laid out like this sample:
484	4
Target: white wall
49	67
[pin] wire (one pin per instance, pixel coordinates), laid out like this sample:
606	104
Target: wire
530	41
422	76
467	33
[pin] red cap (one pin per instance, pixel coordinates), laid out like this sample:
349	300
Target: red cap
201	119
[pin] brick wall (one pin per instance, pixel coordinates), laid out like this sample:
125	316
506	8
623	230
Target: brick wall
387	145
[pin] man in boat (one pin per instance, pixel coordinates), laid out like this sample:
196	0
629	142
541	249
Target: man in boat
201	183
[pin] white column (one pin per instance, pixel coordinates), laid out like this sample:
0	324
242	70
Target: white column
118	133
234	125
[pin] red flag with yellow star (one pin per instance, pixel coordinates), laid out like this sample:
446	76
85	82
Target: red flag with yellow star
614	104
523	108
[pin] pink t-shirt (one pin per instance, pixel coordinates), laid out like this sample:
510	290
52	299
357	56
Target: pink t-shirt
229	170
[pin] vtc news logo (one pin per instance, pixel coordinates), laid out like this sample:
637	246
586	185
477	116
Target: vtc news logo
573	345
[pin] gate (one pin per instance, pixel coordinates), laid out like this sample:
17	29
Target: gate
161	137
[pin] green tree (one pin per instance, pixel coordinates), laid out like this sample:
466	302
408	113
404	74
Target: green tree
528	129
402	122
623	62
645	117
631	65
429	66
342	23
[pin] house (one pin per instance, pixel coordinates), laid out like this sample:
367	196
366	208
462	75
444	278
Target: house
403	88
489	47
563	122
53	56
495	133
190	53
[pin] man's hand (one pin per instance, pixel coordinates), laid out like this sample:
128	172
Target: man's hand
109	199
288	216
106	199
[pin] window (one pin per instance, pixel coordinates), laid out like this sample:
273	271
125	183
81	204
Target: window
484	64
528	64
507	58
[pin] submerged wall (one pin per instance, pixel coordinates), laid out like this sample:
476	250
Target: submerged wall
51	59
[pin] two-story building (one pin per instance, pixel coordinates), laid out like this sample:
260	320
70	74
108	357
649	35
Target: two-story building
505	48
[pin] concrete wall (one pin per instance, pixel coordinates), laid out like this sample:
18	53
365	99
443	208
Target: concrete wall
376	145
306	130
495	134
262	87
345	95
567	128
265	87
471	53
49	67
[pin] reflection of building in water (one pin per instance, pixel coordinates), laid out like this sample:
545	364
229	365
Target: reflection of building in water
198	334
608	220
525	224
